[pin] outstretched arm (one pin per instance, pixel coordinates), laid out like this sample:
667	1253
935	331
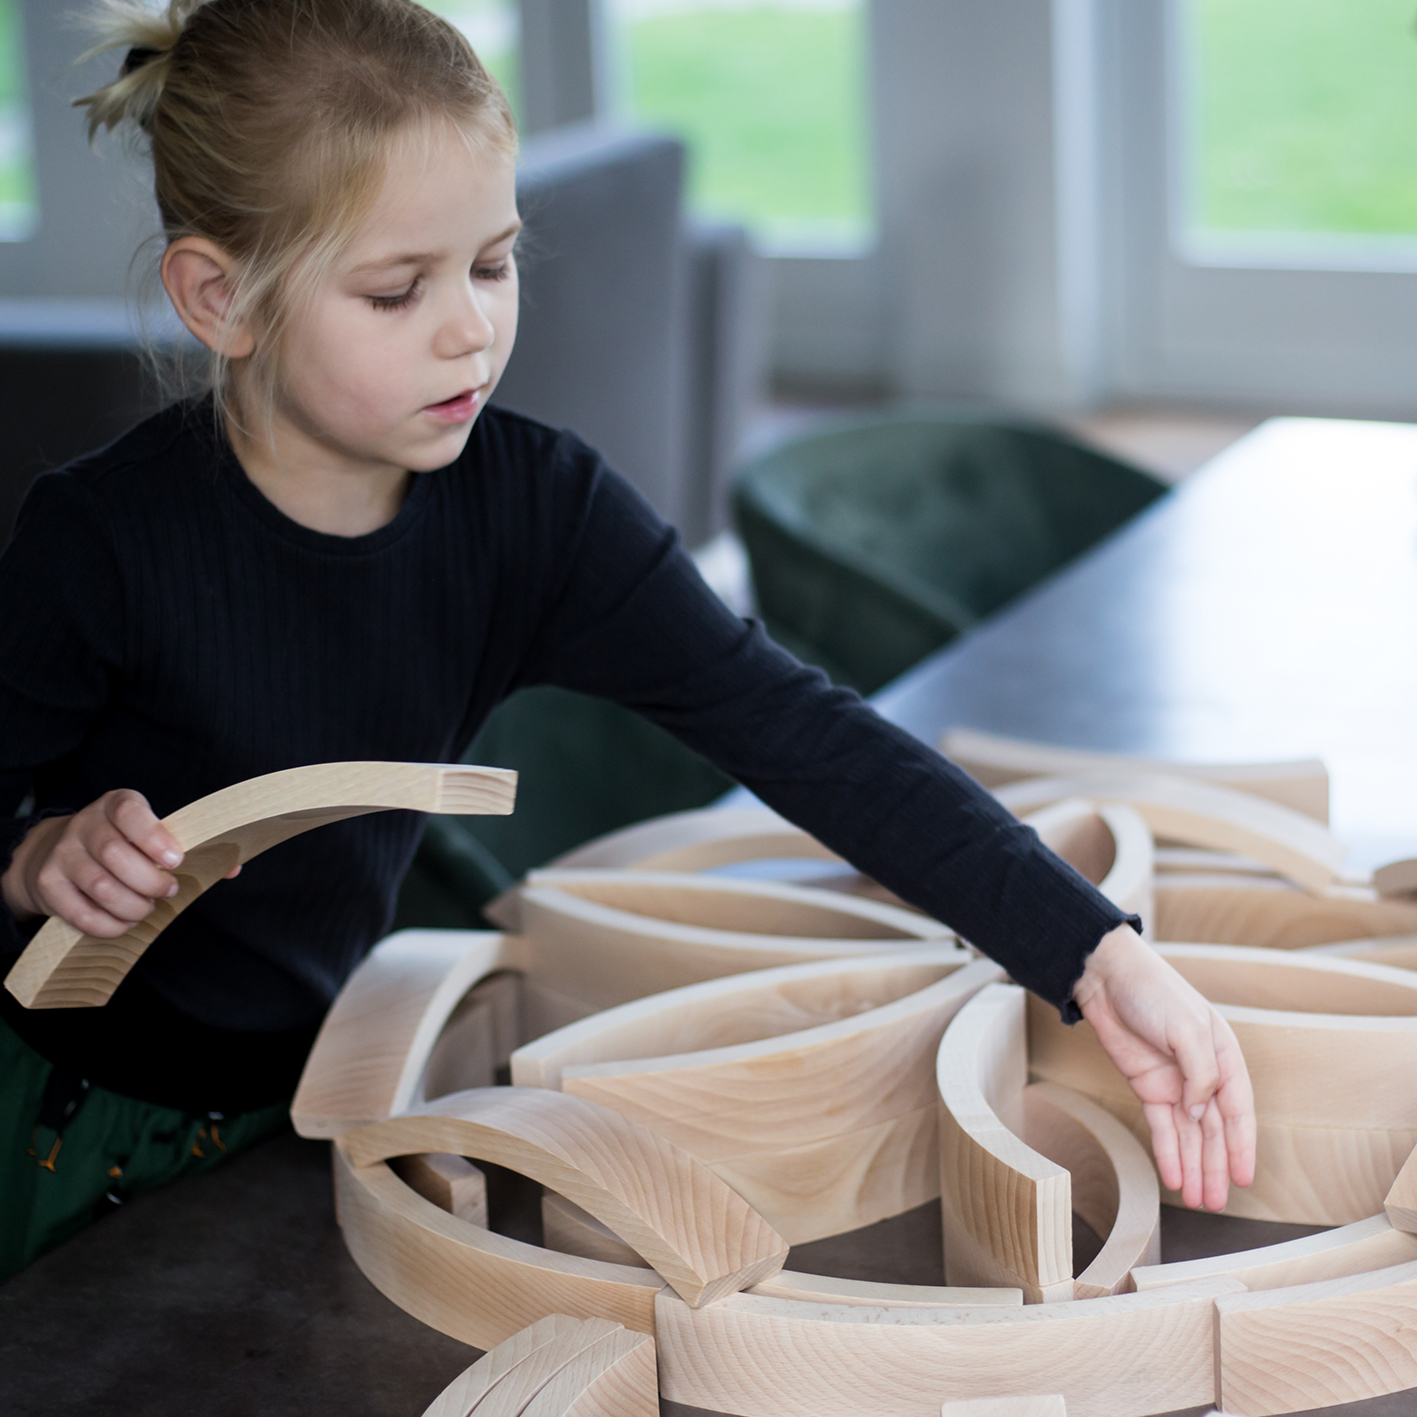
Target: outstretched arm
1181	1059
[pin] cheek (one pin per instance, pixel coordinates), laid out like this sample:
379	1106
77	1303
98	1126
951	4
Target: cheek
349	364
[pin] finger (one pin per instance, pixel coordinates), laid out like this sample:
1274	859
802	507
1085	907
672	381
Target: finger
1215	1162
1194	1043
1188	1134
130	813
1160	1117
232	874
1236	1100
129	866
109	894
71	905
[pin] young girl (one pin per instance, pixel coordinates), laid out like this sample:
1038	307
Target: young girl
344	553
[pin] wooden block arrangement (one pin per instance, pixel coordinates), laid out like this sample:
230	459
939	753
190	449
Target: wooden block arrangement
865	1152
696	1232
558	1367
1017	1161
64	968
1194	813
1301	785
1315	1032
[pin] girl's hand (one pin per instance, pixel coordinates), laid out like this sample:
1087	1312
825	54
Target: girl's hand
1182	1061
101	870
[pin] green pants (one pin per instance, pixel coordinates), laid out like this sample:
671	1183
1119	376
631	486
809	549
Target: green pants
70	1153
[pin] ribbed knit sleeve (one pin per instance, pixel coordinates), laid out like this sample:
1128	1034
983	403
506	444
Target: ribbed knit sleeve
634	622
60	643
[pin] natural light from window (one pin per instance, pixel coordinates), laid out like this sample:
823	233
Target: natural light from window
493	28
1298	127
19	209
771	98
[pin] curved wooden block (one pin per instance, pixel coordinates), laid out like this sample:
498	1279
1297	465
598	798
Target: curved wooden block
593	1346
1301	785
1235	910
1396	878
63	968
1400	1203
1110	845
696	1232
617	1377
598	939
1199	814
1006	1210
371	1052
1317	1345
473	1284
1127	1355
1050	1405
1330	1142
554	1334
821	1129
1397	952
568	1228
1334	1254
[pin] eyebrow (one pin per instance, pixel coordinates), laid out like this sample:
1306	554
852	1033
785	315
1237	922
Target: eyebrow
419	258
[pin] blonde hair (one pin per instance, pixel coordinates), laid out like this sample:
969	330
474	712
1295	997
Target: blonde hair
270	124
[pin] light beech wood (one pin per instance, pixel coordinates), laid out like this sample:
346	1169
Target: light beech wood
696	1232
372	1051
64	968
1330	1143
518	1388
1301	785
1113	1186
1006	1210
452	1183
1049	1406
861	1151
1334	1254
1400	1203
568	1228
617	1377
590	950
471	1385
1237	910
473	1284
1127	1355
1396	878
1399	952
1317	1345
1193	813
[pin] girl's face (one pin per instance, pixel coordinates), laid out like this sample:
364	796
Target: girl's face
405	338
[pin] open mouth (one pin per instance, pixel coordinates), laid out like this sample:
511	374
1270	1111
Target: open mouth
458	408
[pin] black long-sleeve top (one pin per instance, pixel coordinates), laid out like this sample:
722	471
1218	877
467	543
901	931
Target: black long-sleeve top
164	627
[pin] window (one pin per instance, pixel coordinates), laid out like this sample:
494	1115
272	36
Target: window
1298	133
493	28
770	96
19	210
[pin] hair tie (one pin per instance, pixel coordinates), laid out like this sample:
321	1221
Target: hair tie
137	57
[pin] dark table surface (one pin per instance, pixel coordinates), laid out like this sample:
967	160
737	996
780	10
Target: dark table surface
1267	608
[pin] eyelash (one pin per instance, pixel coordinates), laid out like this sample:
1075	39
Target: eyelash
399	302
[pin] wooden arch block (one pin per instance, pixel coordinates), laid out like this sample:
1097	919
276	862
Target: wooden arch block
1199	814
822	1129
370	1056
701	1236
1317	1345
1110	845
1301	785
1400	1203
1017	1161
1127	1355
598	939
616	1377
64	968
1315	1032
1396	952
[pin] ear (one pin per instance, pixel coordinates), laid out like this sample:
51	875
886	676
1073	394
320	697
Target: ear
198	277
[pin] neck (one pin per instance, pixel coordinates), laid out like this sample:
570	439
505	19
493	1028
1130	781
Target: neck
316	485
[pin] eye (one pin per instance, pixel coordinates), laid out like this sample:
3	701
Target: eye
394	302
500	271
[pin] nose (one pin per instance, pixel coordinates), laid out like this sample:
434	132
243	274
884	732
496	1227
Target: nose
465	328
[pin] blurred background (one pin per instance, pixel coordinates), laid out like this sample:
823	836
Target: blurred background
1132	227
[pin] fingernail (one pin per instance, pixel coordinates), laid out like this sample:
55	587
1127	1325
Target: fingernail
172	890
1198	1111
171	858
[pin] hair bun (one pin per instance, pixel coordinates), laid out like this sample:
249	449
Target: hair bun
149	37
